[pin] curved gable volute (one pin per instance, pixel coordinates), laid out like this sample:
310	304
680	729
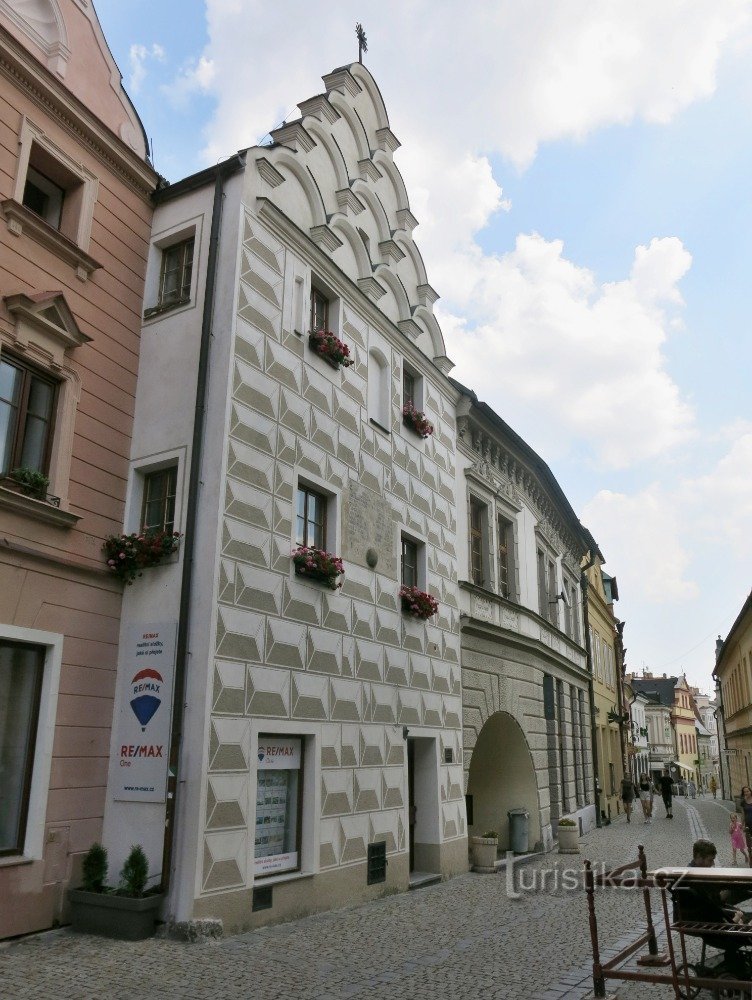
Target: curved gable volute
332	173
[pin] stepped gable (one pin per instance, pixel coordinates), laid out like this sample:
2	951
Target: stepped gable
332	173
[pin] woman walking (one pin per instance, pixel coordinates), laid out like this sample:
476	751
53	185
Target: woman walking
627	795
645	788
746	797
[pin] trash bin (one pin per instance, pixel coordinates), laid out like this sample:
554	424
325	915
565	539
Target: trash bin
519	825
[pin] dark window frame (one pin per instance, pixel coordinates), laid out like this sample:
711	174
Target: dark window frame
308	492
168	499
505	554
409	562
184	268
320	302
29	757
477	553
28	374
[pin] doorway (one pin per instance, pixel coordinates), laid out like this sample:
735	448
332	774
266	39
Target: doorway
423	804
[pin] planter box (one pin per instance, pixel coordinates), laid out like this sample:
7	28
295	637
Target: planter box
484	853
569	839
112	916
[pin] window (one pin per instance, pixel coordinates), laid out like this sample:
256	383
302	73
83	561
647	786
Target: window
44	197
175	275
319	310
21	670
311	518
553	602
477	517
408	389
409	563
279	795
542	589
506	566
158	508
27	402
378	390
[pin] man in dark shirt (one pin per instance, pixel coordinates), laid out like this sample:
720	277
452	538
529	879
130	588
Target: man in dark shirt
666	785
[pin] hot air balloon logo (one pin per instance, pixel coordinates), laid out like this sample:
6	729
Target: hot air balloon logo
147	686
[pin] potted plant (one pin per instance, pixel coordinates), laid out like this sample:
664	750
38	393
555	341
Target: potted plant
329	347
128	555
484	850
315	564
128	911
417	421
417	603
569	836
31	481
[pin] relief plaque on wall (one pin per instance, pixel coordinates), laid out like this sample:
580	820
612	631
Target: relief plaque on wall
368	523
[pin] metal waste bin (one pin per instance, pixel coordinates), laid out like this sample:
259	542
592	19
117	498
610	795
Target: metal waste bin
519	826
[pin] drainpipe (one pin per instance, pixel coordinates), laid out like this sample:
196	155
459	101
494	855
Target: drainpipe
221	172
620	652
591	691
720	714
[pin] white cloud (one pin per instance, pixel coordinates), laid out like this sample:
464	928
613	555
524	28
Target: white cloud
578	359
138	57
197	76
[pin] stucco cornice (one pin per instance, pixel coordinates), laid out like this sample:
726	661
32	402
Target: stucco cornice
55	100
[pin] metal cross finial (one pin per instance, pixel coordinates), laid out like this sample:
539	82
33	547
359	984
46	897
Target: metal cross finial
362	41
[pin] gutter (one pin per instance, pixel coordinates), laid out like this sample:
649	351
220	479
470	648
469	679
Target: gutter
220	173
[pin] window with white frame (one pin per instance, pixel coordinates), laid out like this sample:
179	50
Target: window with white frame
27	408
21	671
158	503
311	517
412	388
319	310
410	562
279	798
176	274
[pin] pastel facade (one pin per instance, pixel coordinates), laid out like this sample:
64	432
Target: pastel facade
602	592
733	673
526	704
362	699
75	216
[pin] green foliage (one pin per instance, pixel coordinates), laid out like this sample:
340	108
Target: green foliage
33	481
94	874
135	873
490	835
567	822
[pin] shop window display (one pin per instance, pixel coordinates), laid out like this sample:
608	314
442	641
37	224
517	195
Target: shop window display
278	791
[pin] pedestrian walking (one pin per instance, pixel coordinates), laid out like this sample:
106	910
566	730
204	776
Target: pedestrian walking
713	785
666	785
738	839
692	789
645	788
746	797
627	795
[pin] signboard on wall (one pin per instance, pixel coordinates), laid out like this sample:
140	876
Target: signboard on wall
146	678
277	794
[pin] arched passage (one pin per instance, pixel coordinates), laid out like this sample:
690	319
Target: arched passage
502	777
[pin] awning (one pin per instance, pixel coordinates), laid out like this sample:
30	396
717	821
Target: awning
689	770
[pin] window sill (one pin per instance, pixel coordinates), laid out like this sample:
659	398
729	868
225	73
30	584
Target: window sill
21	219
39	510
379	426
284	877
11	860
160	310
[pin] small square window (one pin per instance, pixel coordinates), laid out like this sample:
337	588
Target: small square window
176	273
319	310
158	509
27	401
311	518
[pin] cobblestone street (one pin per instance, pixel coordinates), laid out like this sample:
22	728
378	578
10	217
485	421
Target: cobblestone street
462	939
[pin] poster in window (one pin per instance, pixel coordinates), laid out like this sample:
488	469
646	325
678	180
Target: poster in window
277	804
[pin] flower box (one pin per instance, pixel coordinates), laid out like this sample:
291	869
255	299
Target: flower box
315	564
416	420
128	555
417	603
329	347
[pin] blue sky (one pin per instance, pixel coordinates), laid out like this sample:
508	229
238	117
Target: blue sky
580	174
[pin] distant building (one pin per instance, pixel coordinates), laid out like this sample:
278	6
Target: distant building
733	672
679	743
638	747
76	217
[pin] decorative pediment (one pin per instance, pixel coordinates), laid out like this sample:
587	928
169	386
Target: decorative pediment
44	320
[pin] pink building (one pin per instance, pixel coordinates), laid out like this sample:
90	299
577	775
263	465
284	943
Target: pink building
75	217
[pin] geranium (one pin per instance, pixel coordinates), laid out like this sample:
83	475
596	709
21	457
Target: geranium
128	555
329	347
418	603
318	565
417	420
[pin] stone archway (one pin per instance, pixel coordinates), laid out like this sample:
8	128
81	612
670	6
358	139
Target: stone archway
502	777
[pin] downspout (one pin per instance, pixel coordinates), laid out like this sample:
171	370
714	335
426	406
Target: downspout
620	695
720	713
222	171
591	690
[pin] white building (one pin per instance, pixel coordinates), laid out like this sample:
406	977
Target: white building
640	757
314	728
